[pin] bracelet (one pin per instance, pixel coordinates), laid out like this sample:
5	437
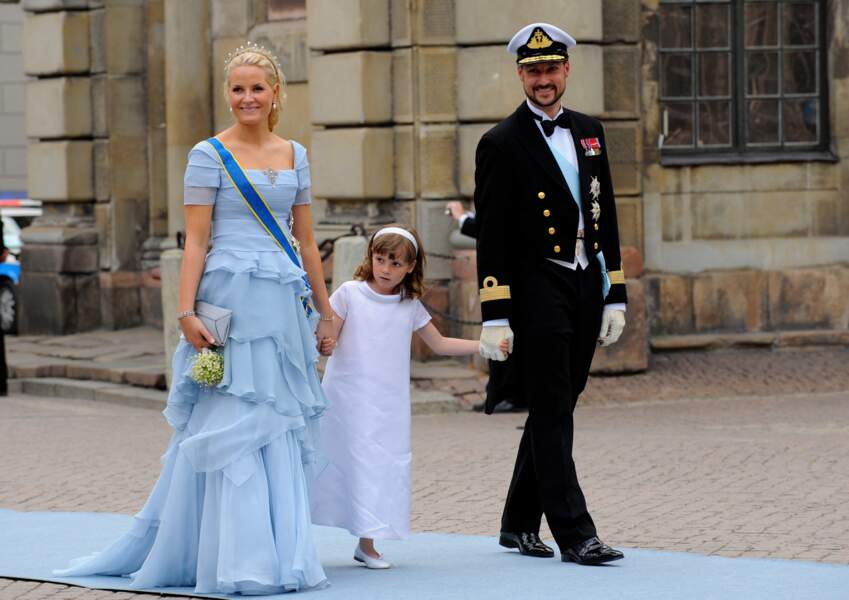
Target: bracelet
184	314
330	318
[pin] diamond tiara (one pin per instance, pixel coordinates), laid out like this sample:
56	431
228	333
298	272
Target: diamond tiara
256	49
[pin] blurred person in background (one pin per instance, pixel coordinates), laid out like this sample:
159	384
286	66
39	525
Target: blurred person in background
502	393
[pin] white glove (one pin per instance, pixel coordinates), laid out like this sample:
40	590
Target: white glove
612	324
491	338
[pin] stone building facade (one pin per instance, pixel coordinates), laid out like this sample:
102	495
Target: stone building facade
13	142
391	97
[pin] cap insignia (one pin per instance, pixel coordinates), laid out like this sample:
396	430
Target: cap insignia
539	40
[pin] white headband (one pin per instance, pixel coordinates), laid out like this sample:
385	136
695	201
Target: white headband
398	231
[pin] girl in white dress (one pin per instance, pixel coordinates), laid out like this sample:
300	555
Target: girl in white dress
366	431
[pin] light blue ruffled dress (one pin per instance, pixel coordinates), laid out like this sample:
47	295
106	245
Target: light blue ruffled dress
230	510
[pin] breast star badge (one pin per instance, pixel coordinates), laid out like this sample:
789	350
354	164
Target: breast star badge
595	190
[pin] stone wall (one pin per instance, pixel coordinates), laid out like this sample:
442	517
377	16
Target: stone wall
785	215
87	105
748	248
391	97
389	151
60	290
749	301
13	139
424	80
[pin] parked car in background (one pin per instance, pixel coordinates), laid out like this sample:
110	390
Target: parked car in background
16	213
10	275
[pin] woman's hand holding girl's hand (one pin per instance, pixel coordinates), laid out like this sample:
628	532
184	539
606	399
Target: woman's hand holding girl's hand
196	334
326	346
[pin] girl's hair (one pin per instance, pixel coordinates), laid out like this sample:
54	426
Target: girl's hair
257	56
399	247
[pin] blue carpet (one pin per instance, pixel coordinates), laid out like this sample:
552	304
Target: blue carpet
447	566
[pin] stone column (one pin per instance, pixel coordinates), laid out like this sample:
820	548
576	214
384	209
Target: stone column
87	120
118	40
424	61
425	113
352	140
188	104
188	112
12	88
157	207
60	288
622	113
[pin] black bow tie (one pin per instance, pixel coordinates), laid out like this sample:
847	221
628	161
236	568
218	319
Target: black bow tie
548	125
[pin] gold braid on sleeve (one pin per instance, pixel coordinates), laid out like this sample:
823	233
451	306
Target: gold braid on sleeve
492	291
616	276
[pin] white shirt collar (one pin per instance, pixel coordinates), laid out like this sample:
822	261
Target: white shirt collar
539	112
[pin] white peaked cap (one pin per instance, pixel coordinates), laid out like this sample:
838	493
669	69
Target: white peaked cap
552	42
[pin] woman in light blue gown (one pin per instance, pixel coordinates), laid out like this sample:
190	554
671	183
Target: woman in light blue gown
229	512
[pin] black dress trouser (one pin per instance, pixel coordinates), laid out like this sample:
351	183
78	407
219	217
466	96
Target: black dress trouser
556	320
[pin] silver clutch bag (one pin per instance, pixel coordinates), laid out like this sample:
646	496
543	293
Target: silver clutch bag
215	319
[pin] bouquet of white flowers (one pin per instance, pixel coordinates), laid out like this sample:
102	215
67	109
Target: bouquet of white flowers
208	368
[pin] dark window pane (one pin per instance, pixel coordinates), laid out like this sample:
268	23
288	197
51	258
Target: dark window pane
800	120
714	74
679	117
800	24
761	24
715	123
762	121
712	26
279	10
800	74
675	28
677	75
762	73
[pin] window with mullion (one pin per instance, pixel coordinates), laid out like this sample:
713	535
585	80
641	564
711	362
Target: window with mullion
741	75
695	74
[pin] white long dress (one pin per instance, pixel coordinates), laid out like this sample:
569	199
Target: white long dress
366	431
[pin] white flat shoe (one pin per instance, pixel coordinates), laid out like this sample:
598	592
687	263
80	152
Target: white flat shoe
369	562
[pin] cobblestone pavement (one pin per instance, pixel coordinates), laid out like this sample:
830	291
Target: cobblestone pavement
702	461
672	375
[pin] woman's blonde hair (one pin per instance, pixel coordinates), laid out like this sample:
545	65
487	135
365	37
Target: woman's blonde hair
396	246
253	55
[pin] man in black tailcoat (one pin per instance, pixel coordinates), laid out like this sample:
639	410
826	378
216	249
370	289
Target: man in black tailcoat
550	273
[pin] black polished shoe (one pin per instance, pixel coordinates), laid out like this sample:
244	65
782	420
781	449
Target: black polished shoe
528	544
505	406
591	552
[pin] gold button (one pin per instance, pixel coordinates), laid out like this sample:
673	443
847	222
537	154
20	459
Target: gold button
557	249
595	246
546	213
595	226
551	231
541	195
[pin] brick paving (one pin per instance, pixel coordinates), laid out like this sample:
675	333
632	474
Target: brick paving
739	453
674	375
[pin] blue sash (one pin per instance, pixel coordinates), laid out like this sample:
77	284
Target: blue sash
259	209
573	180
